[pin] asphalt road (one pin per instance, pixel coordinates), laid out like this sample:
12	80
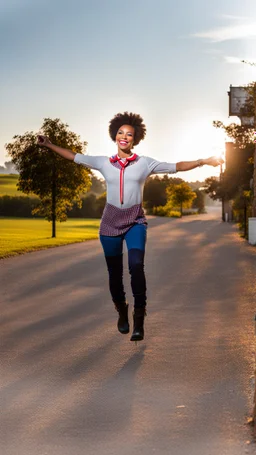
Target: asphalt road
72	385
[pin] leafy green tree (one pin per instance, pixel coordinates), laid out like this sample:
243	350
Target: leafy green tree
242	135
98	185
198	202
155	191
100	203
56	181
214	188
180	195
87	209
235	178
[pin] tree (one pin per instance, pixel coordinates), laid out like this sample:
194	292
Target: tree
155	191
213	186
242	135
180	195
238	175
235	179
198	202
100	203
87	209
56	181
98	185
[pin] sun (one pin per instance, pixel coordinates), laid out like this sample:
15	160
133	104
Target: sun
200	139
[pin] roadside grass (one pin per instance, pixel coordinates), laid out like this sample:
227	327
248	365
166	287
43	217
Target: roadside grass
22	235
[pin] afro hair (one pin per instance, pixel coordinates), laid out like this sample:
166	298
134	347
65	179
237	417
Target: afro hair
131	119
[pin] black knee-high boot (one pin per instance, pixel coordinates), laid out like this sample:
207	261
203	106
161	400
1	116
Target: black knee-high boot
138	324
123	321
115	269
138	284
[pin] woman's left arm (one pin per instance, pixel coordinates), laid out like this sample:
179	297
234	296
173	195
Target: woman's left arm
188	165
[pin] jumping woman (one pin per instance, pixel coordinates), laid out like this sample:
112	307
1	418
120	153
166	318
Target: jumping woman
123	216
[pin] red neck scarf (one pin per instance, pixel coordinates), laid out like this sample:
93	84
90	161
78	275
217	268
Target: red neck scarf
116	158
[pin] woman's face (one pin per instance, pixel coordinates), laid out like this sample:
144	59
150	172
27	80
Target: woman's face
125	138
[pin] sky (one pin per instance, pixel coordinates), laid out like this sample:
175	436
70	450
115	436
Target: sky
83	61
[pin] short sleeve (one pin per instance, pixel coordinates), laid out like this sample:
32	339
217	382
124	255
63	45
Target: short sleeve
92	162
159	167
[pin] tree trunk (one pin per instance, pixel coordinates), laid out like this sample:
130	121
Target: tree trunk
54	201
181	209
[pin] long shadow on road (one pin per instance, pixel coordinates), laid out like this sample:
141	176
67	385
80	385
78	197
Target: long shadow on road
69	376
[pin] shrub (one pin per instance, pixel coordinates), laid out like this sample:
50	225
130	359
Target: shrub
160	210
18	206
92	207
174	214
22	206
164	210
88	209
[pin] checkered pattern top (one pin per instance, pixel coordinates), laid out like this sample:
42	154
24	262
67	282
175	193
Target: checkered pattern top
118	217
117	221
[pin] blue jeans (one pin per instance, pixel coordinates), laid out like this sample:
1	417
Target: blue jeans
135	240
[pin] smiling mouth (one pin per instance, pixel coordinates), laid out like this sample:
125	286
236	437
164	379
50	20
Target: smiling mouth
123	142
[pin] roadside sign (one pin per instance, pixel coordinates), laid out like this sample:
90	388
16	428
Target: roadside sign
238	97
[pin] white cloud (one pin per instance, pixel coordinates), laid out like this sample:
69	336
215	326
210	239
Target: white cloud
229	32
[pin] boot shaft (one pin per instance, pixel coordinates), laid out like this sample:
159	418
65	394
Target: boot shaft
138	324
123	321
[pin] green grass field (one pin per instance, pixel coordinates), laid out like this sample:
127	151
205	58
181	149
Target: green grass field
21	235
8	185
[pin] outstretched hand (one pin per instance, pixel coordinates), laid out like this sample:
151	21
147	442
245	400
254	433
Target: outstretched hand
214	161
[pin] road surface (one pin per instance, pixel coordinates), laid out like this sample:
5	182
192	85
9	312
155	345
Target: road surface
72	385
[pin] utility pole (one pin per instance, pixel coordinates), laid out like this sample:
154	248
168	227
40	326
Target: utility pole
222	199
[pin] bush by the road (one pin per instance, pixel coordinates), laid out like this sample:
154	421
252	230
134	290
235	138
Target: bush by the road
162	210
22	206
18	206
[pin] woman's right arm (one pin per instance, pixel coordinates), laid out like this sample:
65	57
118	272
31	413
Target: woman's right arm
65	153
